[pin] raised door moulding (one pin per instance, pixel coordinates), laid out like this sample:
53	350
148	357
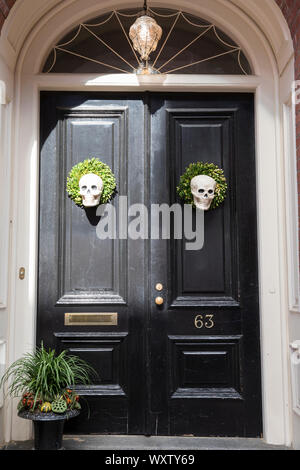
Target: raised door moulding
111	347
117	293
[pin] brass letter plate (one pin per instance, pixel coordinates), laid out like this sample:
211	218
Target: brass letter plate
83	319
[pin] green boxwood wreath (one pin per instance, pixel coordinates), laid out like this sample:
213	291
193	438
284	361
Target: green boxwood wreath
92	165
201	168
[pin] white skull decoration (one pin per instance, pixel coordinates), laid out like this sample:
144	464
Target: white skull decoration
91	187
203	190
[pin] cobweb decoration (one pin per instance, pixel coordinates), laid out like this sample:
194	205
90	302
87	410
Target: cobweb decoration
188	45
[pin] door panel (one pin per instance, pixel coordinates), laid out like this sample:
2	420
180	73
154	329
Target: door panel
99	278
207	368
80	273
192	365
207	135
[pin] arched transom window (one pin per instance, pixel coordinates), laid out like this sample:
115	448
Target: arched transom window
187	44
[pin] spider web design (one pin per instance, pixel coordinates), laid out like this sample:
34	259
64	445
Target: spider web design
164	62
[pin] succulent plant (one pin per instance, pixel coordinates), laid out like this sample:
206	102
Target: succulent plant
59	405
43	375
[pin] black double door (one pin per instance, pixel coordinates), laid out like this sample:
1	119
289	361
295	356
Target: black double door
190	366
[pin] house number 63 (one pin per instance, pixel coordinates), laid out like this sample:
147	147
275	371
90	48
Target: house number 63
204	321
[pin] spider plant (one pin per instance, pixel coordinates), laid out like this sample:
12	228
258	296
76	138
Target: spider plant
44	374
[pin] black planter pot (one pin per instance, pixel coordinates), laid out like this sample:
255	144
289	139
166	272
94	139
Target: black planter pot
48	428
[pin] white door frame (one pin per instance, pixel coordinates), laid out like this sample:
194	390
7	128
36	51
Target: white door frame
272	170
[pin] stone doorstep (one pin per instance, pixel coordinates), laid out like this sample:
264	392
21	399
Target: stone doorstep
113	442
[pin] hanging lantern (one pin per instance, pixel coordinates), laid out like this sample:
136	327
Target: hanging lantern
145	34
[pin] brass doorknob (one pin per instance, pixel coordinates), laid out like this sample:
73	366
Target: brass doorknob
159	300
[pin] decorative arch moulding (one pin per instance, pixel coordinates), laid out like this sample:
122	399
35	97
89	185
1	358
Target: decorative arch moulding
26	17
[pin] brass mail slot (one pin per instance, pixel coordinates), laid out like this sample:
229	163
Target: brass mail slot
81	319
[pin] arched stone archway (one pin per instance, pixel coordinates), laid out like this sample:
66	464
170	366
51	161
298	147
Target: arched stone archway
262	31
265	14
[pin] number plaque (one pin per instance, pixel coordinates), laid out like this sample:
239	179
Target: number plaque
204	321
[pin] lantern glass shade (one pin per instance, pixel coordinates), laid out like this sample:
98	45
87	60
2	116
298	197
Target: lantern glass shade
145	34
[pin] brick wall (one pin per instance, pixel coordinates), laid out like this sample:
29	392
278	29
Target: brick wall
5	7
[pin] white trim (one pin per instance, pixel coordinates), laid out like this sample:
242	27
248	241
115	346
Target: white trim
247	30
269	19
2	367
291	184
5	165
131	82
291	204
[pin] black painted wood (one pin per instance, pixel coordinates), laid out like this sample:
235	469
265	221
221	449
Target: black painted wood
80	273
192	365
204	340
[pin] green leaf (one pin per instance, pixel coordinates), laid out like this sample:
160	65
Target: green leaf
45	374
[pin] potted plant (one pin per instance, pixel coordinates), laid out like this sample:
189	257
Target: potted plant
46	383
